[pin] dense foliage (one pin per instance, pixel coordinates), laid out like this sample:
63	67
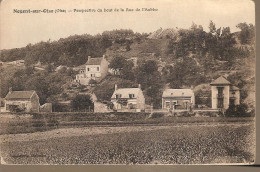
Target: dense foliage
186	59
82	103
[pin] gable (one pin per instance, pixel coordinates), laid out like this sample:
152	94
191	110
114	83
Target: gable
220	81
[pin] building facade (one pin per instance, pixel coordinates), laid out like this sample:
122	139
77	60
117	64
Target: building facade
24	101
95	68
128	99
178	99
223	94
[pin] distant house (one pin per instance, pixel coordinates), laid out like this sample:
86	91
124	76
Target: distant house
81	77
182	99
95	68
223	93
27	101
128	99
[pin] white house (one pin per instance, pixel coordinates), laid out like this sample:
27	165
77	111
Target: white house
182	99
95	68
128	99
223	93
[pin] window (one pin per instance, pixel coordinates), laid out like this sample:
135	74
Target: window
167	104
220	92
220	103
118	96
131	96
97	68
88	69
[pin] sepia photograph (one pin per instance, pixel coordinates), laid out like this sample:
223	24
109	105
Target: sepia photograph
141	82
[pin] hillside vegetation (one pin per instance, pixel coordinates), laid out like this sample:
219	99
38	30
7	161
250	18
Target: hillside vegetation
176	58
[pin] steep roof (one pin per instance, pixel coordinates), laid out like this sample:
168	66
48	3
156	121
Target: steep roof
234	88
94	61
19	95
126	91
178	93
220	81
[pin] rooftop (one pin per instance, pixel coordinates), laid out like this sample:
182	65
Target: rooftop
19	95
220	81
126	91
178	93
94	61
234	88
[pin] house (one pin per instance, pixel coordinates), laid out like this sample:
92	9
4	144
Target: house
128	99
97	68
182	99
27	101
223	93
81	77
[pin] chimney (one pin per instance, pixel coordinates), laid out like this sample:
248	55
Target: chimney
139	86
104	56
115	86
89	57
10	89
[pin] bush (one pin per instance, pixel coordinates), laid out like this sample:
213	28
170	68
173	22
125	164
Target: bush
15	108
237	111
156	115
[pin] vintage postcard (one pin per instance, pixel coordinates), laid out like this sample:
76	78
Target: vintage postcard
127	82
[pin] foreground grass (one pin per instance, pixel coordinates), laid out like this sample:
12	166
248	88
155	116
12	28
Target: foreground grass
175	145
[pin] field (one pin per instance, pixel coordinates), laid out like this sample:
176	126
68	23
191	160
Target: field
159	144
30	123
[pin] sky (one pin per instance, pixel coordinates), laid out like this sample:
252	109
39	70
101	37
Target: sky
17	30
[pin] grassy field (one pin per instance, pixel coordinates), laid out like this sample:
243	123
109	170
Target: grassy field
183	144
29	123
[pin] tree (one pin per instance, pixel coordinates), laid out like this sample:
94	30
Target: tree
184	72
147	73
123	67
82	103
118	63
247	33
237	111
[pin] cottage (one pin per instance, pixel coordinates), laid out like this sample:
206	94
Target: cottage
223	94
128	99
27	101
182	99
97	68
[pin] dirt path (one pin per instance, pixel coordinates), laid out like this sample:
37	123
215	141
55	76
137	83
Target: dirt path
69	132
